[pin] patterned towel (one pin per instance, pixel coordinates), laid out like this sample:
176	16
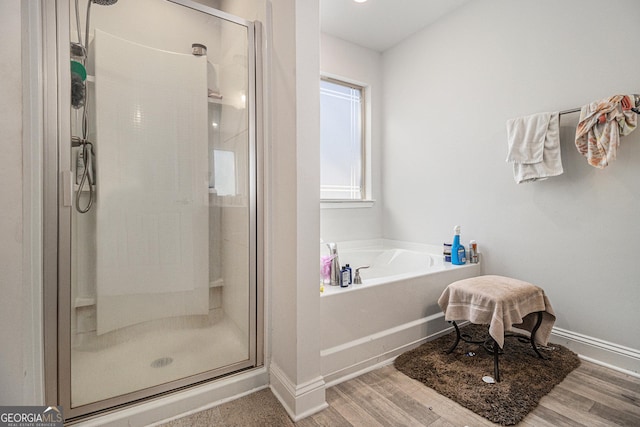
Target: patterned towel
600	127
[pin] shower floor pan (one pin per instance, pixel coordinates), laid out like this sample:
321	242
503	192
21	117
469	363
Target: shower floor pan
155	357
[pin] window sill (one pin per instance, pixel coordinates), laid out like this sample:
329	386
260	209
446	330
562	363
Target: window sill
346	204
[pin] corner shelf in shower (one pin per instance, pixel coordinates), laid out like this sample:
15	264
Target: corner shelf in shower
90	301
214	95
84	302
222	102
216	101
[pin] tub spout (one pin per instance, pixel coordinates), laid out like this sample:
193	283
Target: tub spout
335	264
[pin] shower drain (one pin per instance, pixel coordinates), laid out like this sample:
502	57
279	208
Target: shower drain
162	362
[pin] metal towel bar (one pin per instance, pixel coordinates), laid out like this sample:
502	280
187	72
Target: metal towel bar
635	110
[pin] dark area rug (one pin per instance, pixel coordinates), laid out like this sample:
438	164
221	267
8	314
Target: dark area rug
525	378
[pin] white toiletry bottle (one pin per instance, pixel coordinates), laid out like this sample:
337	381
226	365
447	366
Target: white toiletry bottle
473	252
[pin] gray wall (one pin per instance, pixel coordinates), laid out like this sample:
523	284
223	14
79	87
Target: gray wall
448	91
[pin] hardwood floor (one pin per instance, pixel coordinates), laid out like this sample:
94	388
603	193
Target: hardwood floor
590	396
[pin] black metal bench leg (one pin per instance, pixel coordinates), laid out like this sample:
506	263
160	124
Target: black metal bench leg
496	368
533	335
455	344
492	346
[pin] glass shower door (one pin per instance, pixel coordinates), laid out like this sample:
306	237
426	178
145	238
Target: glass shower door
161	288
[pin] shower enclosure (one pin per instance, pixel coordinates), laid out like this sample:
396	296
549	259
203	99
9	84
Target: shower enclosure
157	217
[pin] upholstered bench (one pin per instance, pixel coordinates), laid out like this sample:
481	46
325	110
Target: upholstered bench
502	303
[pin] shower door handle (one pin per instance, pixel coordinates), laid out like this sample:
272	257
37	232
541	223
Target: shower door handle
67	190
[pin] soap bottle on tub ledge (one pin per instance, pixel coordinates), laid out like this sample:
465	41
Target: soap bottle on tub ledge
472	256
458	253
345	276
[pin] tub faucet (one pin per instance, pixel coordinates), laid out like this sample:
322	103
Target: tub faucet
335	264
358	280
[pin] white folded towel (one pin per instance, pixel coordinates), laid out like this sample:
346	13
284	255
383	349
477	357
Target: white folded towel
534	147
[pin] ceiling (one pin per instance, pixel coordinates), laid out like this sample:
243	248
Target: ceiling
381	24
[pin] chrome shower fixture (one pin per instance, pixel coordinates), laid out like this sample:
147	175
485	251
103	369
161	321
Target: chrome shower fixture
198	49
636	103
79	94
78	51
88	20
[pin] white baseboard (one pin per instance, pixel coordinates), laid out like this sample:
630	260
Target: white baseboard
299	400
610	355
190	401
364	370
356	357
346	361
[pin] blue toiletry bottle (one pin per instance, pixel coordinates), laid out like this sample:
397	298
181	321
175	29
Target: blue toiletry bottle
458	253
350	273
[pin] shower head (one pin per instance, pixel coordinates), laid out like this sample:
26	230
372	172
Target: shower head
105	2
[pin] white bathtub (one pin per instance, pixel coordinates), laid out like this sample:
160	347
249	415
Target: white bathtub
387	264
394	309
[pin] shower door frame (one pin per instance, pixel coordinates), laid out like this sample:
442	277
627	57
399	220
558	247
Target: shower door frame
57	210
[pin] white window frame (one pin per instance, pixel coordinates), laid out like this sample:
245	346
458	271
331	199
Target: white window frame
365	188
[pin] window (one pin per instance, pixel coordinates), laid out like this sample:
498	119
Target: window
341	140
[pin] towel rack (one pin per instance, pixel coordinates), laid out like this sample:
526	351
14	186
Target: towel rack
635	110
573	110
